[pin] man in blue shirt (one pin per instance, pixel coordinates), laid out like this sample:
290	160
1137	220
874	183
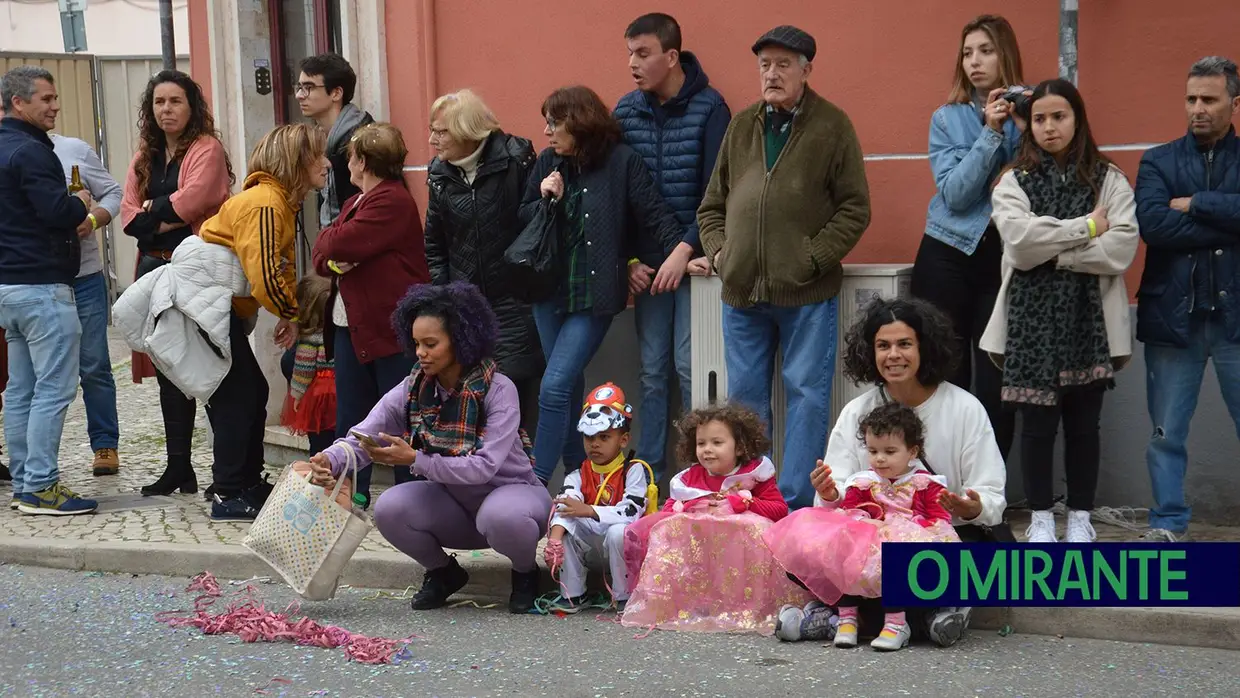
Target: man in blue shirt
40	254
91	292
676	120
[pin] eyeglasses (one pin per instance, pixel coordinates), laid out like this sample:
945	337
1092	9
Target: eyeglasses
439	133
305	88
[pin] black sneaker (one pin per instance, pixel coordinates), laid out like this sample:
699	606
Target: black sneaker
236	508
5	475
258	494
438	585
524	591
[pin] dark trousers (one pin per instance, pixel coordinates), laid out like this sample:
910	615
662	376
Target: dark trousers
1079	409
238	415
179	413
965	288
358	389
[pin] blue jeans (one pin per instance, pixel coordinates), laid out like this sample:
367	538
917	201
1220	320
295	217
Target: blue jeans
42	329
807	336
1173	382
569	341
98	386
663	333
358	389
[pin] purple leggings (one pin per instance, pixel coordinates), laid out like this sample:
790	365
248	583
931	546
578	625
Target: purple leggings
422	518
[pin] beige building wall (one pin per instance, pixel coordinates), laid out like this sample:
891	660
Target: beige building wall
113	27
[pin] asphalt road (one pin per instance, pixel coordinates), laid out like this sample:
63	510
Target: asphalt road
82	634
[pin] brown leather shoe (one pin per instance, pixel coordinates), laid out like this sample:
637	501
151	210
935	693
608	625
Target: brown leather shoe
107	462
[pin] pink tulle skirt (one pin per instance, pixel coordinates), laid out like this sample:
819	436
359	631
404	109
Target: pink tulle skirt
705	572
835	554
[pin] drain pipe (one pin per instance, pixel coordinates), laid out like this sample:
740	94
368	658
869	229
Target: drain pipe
167	35
1067	39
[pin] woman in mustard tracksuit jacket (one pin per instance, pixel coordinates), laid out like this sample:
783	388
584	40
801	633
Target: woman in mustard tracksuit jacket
259	224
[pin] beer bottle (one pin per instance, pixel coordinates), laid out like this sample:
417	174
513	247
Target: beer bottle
75	181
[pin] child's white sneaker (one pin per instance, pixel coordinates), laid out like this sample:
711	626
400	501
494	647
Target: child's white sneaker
815	622
1080	530
893	637
1042	528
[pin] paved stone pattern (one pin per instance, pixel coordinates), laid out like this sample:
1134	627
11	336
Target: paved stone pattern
125	516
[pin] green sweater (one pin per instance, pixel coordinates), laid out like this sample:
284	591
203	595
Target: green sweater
781	236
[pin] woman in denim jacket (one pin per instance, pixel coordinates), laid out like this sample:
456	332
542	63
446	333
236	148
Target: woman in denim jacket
971	138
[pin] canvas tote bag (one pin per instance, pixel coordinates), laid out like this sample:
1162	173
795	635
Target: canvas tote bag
305	534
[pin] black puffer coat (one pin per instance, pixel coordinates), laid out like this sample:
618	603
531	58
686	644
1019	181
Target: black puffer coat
467	230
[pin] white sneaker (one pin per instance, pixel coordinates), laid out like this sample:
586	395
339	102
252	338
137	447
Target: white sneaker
1041	528
1080	530
893	637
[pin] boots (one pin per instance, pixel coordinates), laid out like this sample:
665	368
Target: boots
524	591
178	475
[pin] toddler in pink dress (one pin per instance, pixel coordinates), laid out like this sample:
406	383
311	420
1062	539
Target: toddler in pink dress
701	563
837	552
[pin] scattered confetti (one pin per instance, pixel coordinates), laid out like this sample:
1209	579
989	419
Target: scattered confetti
1005	631
249	620
277	679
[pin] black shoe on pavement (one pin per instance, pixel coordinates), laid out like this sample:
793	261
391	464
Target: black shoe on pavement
524	591
438	585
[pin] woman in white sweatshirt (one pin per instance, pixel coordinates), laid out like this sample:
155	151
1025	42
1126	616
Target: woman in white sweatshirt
906	349
1060	327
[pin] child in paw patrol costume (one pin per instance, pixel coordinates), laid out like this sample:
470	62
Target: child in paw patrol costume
598	500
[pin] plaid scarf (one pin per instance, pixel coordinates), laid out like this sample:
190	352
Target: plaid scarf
452	426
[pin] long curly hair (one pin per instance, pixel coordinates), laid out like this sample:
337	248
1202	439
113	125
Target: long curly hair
465	313
936	340
151	138
746	426
892	418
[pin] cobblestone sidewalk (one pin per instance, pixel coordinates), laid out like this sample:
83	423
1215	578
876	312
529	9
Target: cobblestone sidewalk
124	514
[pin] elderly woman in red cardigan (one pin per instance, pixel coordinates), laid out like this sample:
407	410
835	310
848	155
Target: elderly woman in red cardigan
374	252
179	177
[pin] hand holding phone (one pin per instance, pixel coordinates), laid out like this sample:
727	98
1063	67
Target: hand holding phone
365	438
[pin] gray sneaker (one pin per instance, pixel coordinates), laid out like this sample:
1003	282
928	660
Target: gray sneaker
816	622
948	625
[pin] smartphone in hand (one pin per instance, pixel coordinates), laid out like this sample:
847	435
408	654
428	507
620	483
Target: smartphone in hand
365	438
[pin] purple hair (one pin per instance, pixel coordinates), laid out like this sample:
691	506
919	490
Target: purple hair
466	315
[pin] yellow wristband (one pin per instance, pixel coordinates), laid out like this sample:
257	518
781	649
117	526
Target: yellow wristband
332	265
1093	228
94	222
634	261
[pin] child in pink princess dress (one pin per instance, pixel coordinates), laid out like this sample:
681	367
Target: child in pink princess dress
701	563
836	550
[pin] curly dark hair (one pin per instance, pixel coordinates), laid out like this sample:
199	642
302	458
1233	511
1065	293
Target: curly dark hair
747	427
587	119
151	137
466	315
892	418
936	340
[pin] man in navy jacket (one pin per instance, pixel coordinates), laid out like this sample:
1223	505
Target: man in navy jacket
1188	308
40	253
676	120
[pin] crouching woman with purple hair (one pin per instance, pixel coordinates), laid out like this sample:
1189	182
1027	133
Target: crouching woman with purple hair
455	422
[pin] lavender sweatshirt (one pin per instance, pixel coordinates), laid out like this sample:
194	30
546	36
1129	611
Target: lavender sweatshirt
501	460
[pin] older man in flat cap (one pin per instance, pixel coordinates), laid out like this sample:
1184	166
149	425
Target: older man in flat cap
787	201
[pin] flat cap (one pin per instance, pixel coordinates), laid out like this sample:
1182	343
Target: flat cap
788	37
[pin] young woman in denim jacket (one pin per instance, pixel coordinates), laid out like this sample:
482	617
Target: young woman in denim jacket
971	138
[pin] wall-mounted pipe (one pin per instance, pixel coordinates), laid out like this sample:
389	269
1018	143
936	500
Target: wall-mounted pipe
1068	10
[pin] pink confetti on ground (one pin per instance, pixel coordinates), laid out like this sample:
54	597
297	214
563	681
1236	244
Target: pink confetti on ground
248	619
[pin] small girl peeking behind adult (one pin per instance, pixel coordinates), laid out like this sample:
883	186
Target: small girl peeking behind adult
310	407
701	563
837	552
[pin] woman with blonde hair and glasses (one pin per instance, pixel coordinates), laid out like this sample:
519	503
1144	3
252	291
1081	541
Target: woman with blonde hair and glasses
373	253
476	182
972	137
